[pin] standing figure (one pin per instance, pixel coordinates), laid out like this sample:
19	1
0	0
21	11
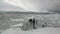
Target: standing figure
33	23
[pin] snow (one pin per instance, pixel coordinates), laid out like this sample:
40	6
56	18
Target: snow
47	30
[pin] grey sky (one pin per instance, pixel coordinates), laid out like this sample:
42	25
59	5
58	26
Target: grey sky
31	5
42	4
8	7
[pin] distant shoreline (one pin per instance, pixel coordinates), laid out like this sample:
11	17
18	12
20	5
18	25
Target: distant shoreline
17	12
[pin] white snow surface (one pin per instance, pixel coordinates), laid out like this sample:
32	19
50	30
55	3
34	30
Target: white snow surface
46	30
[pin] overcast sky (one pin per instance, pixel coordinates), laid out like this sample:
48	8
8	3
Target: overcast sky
8	7
30	5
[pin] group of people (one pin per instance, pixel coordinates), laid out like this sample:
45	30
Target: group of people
33	22
30	24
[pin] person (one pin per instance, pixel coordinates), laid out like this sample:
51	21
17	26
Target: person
34	22
30	20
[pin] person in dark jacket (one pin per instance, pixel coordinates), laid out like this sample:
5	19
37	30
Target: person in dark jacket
34	22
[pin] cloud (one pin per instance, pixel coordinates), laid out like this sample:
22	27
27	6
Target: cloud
36	5
30	5
7	7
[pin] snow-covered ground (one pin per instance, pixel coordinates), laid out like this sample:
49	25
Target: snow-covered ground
51	18
47	30
37	31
